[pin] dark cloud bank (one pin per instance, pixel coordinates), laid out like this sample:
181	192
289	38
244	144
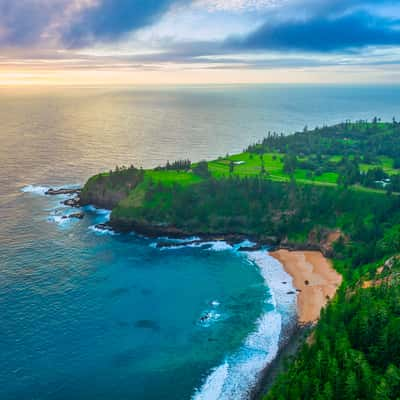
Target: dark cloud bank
111	19
322	34
325	26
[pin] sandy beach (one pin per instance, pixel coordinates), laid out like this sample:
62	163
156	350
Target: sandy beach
314	277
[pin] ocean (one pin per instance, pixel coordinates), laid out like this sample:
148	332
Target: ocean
87	314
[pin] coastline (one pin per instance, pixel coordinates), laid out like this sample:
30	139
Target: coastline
240	374
288	348
300	262
323	281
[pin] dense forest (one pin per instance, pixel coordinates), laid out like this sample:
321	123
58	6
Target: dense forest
272	211
292	191
355	151
362	138
354	353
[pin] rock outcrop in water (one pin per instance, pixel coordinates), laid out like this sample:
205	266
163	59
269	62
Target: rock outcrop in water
74	202
62	191
79	215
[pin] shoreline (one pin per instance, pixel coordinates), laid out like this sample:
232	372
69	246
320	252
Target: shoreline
322	281
288	348
314	279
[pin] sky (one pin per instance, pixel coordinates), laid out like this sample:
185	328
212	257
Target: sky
92	42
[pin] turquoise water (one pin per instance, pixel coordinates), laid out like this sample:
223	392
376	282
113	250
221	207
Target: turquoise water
86	315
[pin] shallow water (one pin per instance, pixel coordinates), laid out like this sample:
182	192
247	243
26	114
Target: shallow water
91	315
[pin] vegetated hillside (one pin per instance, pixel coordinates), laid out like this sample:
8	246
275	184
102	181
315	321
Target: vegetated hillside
354	353
266	210
108	189
267	195
295	191
362	153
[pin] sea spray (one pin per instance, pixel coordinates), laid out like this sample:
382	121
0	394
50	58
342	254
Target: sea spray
35	189
58	214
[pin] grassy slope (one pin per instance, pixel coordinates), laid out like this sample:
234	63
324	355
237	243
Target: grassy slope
273	165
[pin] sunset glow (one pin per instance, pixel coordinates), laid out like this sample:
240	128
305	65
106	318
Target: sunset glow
198	42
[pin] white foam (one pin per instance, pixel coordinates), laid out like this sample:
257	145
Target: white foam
35	189
212	387
212	246
59	220
278	281
236	377
212	317
42	189
177	247
102	232
99	211
219	246
239	373
183	240
102	217
245	243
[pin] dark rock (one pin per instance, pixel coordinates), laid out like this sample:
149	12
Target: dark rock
205	318
163	245
284	283
104	227
74	216
74	202
257	247
291	292
56	192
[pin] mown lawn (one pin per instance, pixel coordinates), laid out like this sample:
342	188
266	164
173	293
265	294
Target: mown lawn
252	165
172	177
386	163
273	165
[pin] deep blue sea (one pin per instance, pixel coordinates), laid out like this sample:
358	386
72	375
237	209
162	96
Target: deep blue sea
88	315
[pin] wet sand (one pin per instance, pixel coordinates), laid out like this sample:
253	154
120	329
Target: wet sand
314	277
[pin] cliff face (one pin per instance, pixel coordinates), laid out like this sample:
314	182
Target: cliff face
319	239
107	190
99	196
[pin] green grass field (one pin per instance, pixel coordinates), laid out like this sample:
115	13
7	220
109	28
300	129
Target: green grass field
273	164
173	177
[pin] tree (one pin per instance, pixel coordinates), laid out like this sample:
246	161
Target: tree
201	169
289	164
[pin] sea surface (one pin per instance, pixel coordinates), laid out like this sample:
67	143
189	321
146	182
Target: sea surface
91	315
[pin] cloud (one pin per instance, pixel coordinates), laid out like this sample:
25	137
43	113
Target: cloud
74	23
108	20
236	5
24	22
321	34
195	34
